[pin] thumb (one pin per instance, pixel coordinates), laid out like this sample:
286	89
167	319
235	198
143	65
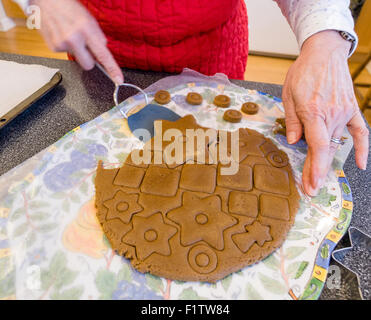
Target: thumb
294	128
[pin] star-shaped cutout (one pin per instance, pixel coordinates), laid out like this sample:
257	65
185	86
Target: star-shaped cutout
161	126
256	232
201	219
187	130
248	145
357	258
150	234
123	206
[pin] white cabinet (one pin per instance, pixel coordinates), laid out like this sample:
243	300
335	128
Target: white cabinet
5	22
269	32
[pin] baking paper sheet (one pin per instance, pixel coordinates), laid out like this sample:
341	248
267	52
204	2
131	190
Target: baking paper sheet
19	81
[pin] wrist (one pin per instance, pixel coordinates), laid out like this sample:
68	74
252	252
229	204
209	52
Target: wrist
329	40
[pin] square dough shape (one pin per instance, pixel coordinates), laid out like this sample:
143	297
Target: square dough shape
198	177
242	180
160	181
270	179
274	207
243	203
129	176
143	164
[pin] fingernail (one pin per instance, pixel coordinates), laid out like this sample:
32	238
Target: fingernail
313	187
309	190
364	165
313	191
118	80
291	137
321	182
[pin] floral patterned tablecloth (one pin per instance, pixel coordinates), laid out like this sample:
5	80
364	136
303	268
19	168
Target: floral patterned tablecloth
52	246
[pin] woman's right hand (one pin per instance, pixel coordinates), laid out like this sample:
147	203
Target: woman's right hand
66	25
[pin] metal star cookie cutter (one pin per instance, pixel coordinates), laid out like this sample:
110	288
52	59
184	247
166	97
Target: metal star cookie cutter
358	239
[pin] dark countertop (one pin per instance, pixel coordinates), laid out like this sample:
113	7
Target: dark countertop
82	96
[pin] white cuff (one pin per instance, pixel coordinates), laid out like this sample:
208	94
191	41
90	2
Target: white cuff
307	17
322	22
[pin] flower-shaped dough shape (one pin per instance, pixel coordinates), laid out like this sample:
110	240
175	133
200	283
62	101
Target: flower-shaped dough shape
201	219
123	205
150	234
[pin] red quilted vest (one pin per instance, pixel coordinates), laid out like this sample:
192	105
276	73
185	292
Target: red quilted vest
168	35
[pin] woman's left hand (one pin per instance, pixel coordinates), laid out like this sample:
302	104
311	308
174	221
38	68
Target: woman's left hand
319	100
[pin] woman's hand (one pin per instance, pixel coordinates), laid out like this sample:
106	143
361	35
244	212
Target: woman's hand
67	26
319	99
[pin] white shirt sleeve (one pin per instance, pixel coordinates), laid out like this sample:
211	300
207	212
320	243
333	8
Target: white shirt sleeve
307	17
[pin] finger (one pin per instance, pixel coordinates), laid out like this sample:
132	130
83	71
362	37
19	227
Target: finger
357	128
315	166
99	34
52	36
105	58
334	147
294	127
83	57
76	45
306	177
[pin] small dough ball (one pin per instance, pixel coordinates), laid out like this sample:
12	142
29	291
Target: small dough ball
222	101
233	116
250	108
162	97
281	121
194	98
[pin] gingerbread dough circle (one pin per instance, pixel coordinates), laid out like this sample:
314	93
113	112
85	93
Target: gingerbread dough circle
233	116
194	98
250	108
222	101
192	222
162	97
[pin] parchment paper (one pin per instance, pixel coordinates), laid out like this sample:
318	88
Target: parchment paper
19	81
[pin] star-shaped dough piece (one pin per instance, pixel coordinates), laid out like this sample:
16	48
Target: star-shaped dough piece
182	124
201	219
256	232
199	154
150	234
249	145
160	127
123	205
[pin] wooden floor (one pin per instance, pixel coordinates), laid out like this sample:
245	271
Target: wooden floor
21	40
